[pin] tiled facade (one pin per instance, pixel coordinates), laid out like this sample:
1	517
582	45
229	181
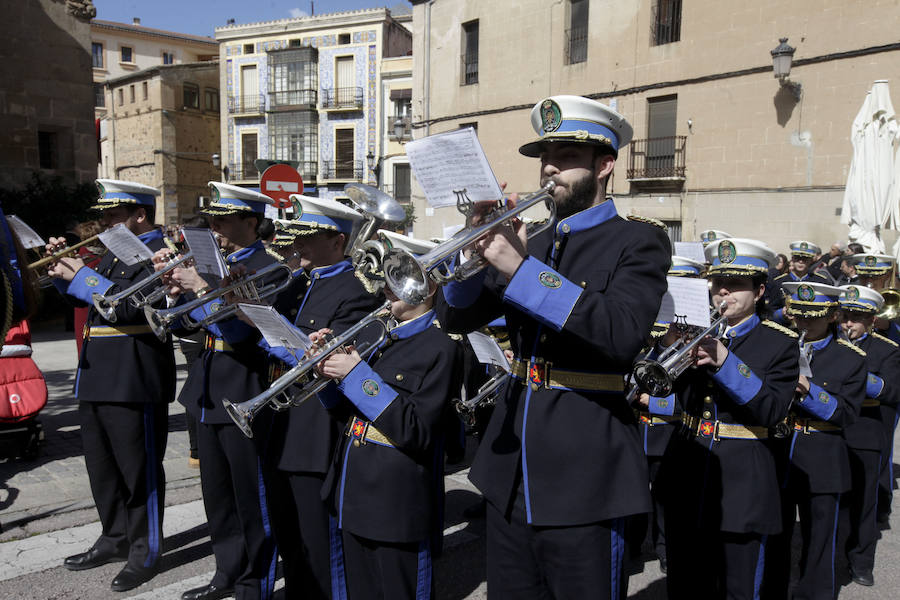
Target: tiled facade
365	35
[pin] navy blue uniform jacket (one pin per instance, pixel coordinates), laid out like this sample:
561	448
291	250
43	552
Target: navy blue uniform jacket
584	300
882	395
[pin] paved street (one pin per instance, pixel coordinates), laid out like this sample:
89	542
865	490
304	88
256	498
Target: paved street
47	514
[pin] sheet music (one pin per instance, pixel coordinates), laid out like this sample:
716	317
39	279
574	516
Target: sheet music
275	327
487	350
28	236
687	298
691	250
207	257
125	245
455	160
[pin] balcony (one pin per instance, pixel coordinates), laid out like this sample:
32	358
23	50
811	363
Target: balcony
657	162
399	124
351	170
253	104
308	169
348	98
293	99
247	172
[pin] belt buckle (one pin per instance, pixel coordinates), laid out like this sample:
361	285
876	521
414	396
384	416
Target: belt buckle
801	425
537	373
358	430
708	428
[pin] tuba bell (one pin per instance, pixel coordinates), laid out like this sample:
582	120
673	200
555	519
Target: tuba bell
890	311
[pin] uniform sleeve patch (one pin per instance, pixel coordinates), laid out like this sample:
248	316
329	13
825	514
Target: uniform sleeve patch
550	280
370	387
744	370
91	281
824	397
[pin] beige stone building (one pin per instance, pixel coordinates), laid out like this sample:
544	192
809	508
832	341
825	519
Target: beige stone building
719	141
118	49
162	129
46	121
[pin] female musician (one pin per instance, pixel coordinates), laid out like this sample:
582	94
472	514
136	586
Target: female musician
814	457
867	438
718	477
386	479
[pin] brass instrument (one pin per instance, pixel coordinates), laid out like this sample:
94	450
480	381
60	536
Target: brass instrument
657	377
244	412
44	278
106	306
890	311
378	208
487	394
245	288
409	277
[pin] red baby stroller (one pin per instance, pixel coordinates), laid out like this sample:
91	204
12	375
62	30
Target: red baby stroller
23	393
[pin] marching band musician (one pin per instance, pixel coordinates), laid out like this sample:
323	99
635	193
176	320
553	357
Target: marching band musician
867	438
303	438
125	380
231	365
874	270
656	420
385	484
741	388
709	236
803	254
560	464
814	458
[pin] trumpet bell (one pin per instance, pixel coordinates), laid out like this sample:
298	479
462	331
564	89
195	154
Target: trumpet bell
406	277
890	311
376	203
653	378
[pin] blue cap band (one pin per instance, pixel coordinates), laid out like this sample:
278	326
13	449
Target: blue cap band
591	127
343	225
145	199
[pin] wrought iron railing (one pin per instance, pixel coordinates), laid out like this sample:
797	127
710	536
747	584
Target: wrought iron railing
576	44
252	103
405	130
346	97
343	169
305	98
242	172
657	158
469	66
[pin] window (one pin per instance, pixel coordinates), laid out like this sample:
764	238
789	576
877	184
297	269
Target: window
168	58
211	99
121	94
343	153
577	34
473	125
249	100
345	76
343	38
294	135
294	77
99	95
661	134
131	94
295	43
666	21
144	90
249	154
126	54
97	55
469	53
674	230
191	96
402	189
48	151
248	49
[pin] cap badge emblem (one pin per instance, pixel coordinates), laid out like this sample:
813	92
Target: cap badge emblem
806	292
711	236
551	115
870	261
852	293
804	246
727	252
101	189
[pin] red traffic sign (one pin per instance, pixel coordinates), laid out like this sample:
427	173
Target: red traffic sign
279	182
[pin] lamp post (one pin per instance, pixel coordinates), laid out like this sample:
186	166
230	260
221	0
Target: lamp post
217	163
782	58
399	128
374	166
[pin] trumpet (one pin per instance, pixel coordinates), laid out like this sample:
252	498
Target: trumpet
44	278
657	377
246	288
409	276
107	306
487	394
244	413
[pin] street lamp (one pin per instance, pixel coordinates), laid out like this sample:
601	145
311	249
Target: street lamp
782	58
375	167
399	128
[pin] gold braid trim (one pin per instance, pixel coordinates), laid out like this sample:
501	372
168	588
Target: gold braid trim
781	328
373	286
878	336
647	220
847	344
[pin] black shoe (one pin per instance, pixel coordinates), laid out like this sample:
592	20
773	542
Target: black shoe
663	565
207	592
92	558
130	578
862	577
